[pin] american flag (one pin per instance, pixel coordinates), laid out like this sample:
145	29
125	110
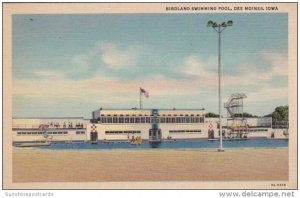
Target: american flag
43	127
146	93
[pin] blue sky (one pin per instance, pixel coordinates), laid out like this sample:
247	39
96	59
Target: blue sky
70	65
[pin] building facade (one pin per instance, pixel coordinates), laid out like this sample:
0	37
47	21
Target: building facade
115	124
148	124
59	129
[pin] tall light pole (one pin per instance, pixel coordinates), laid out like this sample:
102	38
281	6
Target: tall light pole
219	28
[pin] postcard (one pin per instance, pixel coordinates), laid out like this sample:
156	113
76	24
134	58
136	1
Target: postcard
150	95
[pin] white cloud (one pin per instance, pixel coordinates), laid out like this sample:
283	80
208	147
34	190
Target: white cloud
279	63
268	94
49	74
194	66
200	88
246	73
82	61
203	78
108	55
255	74
116	58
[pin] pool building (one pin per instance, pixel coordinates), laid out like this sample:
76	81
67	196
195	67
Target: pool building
147	124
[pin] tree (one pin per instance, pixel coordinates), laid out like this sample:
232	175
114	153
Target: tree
280	116
211	115
245	115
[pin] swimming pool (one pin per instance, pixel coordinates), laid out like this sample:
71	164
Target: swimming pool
179	144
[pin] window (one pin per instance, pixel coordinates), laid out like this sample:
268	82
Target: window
185	131
154	120
131	120
182	119
192	120
115	120
173	120
168	120
121	132
147	119
188	119
137	120
80	132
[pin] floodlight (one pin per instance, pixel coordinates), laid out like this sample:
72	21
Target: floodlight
210	23
229	23
219	29
215	25
224	24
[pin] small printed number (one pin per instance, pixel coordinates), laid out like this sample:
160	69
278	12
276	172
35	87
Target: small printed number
278	185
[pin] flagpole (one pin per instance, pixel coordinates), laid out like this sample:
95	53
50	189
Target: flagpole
140	98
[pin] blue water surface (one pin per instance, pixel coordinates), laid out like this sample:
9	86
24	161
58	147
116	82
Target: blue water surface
179	144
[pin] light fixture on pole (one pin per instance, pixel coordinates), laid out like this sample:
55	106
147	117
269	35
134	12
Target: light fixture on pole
219	28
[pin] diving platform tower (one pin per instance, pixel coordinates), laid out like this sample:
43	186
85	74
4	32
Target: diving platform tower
236	123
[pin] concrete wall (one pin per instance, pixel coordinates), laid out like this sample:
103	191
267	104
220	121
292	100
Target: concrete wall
71	136
23	124
281	133
263	134
144	129
252	122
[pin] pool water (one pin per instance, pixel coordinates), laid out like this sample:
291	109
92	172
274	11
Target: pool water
179	144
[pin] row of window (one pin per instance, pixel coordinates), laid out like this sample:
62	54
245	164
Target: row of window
257	130
80	132
107	119
41	133
50	133
185	131
251	130
30	133
122	132
140	115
